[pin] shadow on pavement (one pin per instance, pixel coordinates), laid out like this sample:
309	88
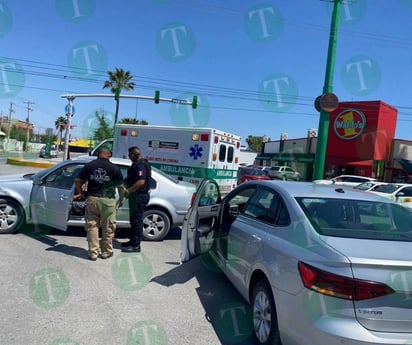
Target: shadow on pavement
226	310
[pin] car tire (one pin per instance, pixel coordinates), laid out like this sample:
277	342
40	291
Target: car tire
156	225
265	322
11	217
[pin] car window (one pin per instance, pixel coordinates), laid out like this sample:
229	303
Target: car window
267	206
230	154
222	153
239	200
358	218
255	172
209	195
364	186
63	178
387	188
407	191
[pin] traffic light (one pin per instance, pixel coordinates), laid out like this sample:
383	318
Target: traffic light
194	102
157	96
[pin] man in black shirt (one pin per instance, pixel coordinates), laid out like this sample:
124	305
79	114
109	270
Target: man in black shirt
102	178
138	186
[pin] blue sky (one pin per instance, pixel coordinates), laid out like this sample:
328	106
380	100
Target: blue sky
256	66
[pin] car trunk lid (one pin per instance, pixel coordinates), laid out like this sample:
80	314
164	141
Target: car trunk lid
388	262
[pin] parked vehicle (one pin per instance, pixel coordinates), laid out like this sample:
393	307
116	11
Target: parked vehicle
319	264
346	180
188	153
45	198
283	173
247	174
400	193
53	151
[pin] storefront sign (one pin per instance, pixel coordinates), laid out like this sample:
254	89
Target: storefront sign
349	124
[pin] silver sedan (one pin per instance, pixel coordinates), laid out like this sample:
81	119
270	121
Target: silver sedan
45	198
318	264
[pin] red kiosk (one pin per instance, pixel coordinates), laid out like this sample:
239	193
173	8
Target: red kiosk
360	138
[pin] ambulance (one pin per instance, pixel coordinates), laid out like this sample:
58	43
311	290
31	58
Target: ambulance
189	154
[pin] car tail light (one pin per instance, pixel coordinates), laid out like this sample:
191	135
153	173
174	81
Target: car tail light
339	286
123	132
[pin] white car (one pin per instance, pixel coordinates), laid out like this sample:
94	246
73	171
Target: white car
346	180
283	173
401	193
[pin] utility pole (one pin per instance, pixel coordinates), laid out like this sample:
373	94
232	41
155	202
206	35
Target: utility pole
11	111
28	123
70	99
327	88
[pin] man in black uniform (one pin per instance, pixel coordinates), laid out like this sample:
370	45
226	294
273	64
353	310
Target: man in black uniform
138	186
102	178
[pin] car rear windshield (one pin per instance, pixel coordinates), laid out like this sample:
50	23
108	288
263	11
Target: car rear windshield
256	172
361	219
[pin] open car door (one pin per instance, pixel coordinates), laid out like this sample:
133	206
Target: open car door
200	220
51	197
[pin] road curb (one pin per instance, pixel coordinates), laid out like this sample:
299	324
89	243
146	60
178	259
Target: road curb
22	162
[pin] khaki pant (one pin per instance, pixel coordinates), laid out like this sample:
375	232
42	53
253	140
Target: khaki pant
100	212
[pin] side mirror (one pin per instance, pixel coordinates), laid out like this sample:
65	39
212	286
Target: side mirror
37	181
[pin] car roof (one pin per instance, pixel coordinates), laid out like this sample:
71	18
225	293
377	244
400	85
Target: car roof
309	189
365	177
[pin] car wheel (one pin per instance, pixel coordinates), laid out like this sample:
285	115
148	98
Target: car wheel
265	322
156	225
11	217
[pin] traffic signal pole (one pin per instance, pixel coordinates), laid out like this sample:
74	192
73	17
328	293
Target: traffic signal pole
70	109
327	88
66	154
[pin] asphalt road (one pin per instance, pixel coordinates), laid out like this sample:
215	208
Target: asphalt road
51	294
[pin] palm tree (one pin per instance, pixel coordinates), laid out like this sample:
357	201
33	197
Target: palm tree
60	124
118	80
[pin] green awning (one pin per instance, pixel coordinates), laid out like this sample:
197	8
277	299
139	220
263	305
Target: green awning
294	157
265	156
